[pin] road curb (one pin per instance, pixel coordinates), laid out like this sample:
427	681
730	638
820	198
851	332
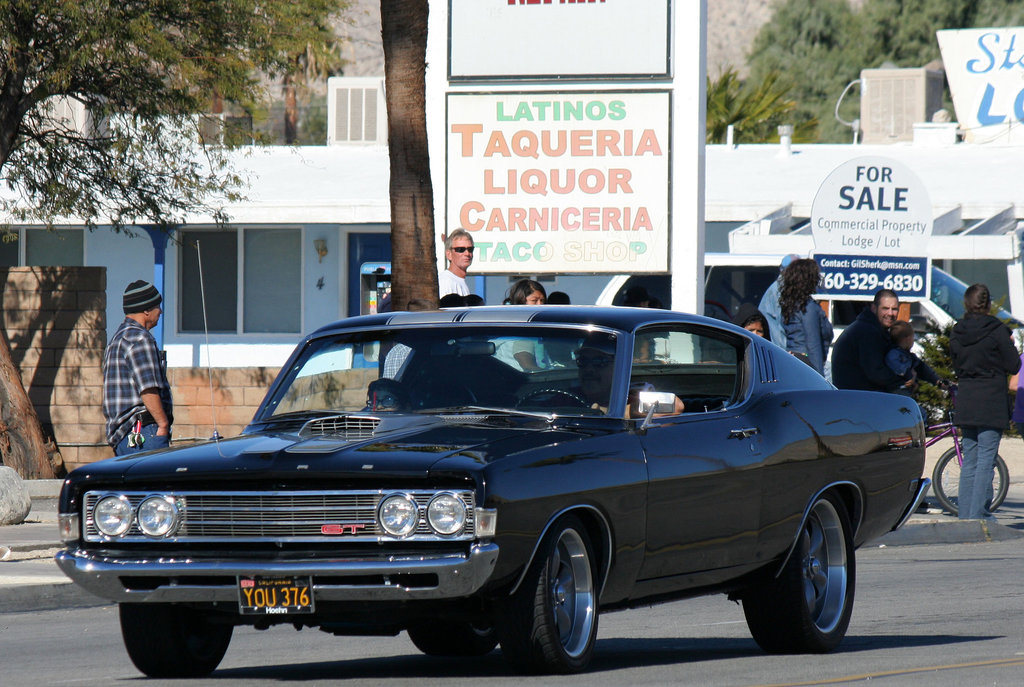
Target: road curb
948	531
47	596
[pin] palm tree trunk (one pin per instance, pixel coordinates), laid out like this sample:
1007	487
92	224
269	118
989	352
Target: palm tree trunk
21	438
413	262
291	111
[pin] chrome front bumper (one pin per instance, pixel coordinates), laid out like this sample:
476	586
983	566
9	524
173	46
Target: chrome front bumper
165	579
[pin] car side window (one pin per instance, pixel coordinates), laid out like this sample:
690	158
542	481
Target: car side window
700	366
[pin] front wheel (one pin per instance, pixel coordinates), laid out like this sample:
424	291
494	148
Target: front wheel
946	482
807	608
170	641
549	624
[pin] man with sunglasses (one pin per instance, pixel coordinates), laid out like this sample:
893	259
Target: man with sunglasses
458	250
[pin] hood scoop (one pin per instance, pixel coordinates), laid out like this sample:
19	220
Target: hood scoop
327	434
341	427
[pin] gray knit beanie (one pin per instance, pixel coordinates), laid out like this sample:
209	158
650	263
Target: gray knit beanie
140	296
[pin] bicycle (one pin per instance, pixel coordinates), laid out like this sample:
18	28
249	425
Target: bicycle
946	474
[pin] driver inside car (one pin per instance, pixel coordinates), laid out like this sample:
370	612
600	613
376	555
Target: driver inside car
595	360
386	395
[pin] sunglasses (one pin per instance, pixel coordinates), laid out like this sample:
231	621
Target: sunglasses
595	361
463	249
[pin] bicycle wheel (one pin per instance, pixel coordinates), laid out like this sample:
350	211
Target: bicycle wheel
946	482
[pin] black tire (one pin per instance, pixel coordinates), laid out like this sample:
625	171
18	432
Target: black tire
550	624
451	638
807	608
169	641
946	482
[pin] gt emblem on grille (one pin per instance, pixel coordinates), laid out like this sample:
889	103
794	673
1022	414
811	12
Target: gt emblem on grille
354	528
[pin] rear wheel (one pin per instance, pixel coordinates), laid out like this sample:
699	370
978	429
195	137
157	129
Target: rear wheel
453	638
807	608
166	640
550	624
946	482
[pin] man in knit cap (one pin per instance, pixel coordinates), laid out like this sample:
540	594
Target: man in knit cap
136	395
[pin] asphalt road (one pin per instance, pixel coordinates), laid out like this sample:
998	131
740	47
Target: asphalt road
924	615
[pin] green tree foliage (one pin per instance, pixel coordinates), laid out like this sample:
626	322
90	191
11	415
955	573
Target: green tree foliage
99	123
754	110
806	42
935	352
820	46
144	70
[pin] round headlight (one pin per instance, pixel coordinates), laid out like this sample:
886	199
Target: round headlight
398	515
157	515
446	514
113	515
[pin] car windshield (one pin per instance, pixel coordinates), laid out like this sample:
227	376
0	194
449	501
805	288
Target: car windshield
948	294
543	369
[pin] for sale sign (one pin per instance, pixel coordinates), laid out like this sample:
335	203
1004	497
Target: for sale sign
871	221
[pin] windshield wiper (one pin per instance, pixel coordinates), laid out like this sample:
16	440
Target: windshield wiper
549	417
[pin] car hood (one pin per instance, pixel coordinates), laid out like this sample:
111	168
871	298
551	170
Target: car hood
409	448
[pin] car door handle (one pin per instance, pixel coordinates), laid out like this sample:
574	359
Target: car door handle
744	433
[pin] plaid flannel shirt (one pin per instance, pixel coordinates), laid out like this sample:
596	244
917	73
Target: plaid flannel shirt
132	364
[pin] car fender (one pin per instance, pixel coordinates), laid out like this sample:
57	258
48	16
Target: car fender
856	513
606	533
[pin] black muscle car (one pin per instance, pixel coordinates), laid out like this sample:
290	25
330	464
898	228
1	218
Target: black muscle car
490	476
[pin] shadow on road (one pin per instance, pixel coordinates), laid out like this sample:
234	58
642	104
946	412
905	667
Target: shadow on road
610	654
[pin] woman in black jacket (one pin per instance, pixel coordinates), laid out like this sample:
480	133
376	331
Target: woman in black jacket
983	355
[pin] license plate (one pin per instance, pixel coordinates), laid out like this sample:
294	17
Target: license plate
275	595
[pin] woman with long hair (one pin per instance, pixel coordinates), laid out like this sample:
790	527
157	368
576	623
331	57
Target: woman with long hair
808	331
519	353
983	355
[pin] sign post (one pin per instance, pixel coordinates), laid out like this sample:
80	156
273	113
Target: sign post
871	220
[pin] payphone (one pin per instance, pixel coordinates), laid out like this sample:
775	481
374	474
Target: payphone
374	287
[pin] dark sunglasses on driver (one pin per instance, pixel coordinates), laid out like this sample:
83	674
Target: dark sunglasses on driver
462	249
595	361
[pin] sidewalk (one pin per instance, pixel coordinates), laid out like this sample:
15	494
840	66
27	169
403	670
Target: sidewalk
31	581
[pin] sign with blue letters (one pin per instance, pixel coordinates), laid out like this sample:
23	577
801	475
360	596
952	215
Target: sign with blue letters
871	220
985	70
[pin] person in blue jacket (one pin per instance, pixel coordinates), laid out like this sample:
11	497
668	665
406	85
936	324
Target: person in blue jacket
808	331
769	305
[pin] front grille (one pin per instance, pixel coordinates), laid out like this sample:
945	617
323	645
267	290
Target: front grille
300	516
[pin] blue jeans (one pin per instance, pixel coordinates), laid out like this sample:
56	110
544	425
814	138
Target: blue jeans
152	442
980	446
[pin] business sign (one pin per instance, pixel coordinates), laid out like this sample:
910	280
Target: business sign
871	220
561	182
985	71
558	39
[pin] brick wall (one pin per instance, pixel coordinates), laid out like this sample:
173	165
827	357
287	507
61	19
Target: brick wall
56	325
237	392
55	322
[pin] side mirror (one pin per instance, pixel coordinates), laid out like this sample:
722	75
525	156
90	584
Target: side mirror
657	402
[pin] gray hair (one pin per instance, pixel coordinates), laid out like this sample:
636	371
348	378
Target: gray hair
458	233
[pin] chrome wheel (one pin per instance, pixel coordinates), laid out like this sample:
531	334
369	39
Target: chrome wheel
807	606
549	624
824	566
572	592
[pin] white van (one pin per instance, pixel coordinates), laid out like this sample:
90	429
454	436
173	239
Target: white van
731	279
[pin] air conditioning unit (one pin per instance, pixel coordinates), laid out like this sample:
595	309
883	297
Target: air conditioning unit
356	111
893	100
69	113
